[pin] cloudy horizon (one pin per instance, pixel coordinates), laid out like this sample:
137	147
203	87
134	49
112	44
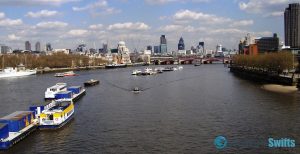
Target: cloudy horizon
67	23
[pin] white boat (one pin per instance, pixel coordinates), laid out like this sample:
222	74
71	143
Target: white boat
148	71
136	72
59	74
70	73
16	72
52	91
180	67
57	116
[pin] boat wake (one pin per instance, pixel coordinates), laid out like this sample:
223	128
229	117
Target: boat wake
154	86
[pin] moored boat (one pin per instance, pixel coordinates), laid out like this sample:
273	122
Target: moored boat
57	116
70	73
59	74
136	72
91	82
16	72
15	127
51	91
110	66
73	93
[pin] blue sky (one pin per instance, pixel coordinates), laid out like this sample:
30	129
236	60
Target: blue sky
66	23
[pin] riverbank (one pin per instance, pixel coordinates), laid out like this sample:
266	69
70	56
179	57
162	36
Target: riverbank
265	77
279	88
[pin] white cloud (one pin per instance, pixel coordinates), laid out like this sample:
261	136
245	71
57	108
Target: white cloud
34	2
186	15
96	27
242	23
51	24
10	22
129	26
78	32
264	6
13	37
160	2
98	4
170	28
2	15
97	8
42	14
275	14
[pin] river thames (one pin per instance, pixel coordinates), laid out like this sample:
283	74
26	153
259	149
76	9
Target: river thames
177	112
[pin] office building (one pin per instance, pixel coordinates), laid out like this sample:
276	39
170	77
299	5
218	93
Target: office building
27	46
37	46
181	45
292	25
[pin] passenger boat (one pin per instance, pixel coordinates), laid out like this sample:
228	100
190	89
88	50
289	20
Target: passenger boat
110	66
70	73
59	74
136	72
51	91
91	82
57	116
197	64
73	93
148	71
15	127
16	72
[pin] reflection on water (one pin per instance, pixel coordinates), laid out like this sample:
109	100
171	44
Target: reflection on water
177	112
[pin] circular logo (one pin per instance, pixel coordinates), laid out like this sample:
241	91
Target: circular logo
220	142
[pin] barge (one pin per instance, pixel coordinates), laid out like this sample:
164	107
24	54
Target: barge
15	127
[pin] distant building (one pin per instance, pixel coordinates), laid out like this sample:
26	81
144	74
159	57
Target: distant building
5	49
27	46
81	48
65	51
181	45
292	25
251	50
157	50
268	44
149	47
163	39
37	46
48	47
163	44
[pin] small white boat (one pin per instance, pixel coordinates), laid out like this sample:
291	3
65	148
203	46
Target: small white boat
136	72
180	67
59	74
70	73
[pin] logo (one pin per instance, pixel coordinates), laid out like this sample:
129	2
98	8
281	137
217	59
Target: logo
281	143
220	142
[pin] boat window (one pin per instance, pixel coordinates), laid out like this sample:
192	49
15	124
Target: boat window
51	117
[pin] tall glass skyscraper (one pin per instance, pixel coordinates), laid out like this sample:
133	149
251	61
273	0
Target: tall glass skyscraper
163	44
292	25
181	45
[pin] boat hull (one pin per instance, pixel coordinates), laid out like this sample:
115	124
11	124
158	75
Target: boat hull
27	130
4	75
115	66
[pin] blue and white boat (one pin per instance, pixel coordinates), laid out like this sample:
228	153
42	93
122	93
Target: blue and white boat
57	116
15	127
73	93
51	91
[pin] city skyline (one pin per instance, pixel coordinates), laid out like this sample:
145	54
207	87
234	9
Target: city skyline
67	23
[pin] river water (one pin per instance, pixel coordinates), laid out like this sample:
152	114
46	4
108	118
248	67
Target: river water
178	112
